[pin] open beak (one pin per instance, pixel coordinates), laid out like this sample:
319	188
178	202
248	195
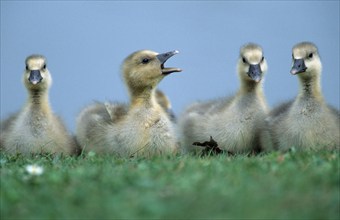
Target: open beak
163	57
298	66
255	72
35	77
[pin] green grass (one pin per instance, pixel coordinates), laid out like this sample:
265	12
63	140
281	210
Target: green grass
294	185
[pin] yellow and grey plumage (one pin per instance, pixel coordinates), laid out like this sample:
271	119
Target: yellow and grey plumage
36	129
142	128
234	122
306	122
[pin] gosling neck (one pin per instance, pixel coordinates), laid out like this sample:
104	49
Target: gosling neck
38	100
251	87
143	97
310	88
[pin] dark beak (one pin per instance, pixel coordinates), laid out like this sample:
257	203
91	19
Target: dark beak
255	72
163	57
35	77
298	66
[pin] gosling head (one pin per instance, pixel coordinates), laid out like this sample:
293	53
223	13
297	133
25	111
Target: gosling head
144	69
36	75
306	61
251	65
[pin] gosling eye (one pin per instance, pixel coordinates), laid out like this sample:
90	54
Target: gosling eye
44	67
244	60
262	59
145	60
27	67
310	55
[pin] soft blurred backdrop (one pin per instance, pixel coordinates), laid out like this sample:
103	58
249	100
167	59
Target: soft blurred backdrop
86	41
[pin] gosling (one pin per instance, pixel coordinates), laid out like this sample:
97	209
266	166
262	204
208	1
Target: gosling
234	122
36	129
140	129
306	122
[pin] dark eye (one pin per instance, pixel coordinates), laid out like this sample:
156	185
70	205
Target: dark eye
44	67
244	60
310	55
27	67
262	59
145	60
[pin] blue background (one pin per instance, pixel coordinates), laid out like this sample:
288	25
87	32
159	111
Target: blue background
86	41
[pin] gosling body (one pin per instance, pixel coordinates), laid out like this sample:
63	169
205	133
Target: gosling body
233	122
36	129
306	122
140	129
